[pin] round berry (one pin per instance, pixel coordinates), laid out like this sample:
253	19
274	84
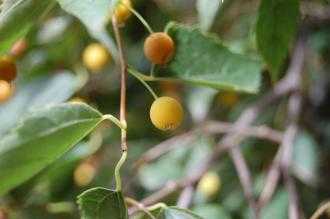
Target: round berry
6	91
95	57
209	184
159	48
122	12
84	174
8	69
166	113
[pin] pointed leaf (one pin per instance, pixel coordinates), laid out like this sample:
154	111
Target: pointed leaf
201	59
276	24
41	138
102	203
94	15
34	94
18	18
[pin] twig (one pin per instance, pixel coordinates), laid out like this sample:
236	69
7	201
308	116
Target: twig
293	197
123	82
284	154
245	178
211	127
139	206
186	197
321	210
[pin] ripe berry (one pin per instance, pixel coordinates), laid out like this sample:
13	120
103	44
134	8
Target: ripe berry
95	56
166	113
8	69
6	91
159	48
122	12
209	184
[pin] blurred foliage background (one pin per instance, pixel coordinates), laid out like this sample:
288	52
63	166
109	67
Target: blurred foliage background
49	71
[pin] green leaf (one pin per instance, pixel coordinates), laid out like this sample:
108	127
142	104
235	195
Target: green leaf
94	15
102	203
207	11
177	213
305	164
277	207
39	92
18	18
211	211
276	24
201	59
41	138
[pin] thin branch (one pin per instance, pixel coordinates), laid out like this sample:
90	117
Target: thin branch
321	210
245	178
140	206
123	82
186	197
284	154
211	127
293	197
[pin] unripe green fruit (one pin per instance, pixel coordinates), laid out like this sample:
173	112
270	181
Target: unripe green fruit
166	113
159	48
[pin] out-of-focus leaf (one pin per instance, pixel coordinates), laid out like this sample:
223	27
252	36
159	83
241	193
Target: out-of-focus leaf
276	24
37	93
18	18
199	101
306	160
52	29
176	213
207	11
201	59
277	207
155	175
211	211
94	15
41	138
102	203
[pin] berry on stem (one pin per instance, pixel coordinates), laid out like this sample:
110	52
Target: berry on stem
166	113
95	56
6	91
159	48
209	184
8	69
122	12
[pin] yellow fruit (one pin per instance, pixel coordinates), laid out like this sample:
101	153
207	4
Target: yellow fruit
95	56
84	174
159	48
209	184
122	12
166	113
228	99
8	69
6	91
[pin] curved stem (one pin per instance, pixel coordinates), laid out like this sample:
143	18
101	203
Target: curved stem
137	14
156	206
116	121
138	76
117	170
